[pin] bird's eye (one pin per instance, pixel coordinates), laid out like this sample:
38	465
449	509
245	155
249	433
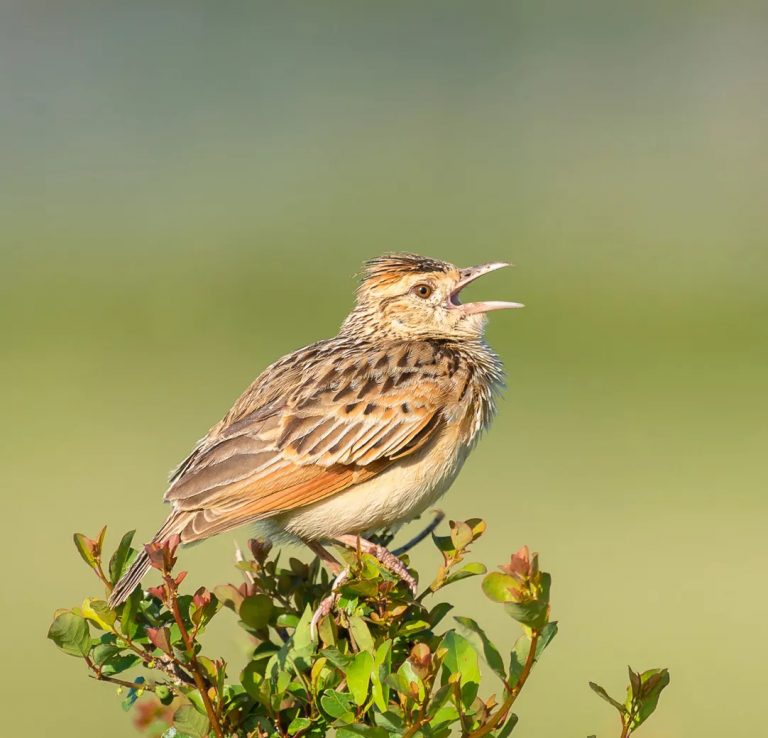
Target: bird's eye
423	290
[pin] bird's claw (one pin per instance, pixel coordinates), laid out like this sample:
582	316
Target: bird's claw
391	562
326	605
386	558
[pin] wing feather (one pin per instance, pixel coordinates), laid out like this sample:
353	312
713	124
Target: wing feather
318	432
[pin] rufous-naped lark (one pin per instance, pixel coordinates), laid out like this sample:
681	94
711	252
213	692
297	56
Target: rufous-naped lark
353	433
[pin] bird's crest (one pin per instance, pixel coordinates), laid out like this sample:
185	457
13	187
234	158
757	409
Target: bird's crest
383	269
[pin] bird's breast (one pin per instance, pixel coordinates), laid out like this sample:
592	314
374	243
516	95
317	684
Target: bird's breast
402	491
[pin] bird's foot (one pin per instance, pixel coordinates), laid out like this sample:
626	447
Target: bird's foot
392	563
383	555
326	605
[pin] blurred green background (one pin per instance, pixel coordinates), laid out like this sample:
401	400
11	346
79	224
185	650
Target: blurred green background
187	191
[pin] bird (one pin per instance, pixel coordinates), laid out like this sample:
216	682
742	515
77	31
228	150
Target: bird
353	433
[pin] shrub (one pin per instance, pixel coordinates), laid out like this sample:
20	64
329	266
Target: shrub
384	664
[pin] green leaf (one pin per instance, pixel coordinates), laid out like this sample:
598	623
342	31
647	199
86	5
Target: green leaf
389	720
548	632
337	658
411	627
438	612
518	657
255	611
382	666
87	548
358	729
440	697
98	612
328	632
461	534
280	682
197	701
253	682
468	570
122	557
508	726
104	651
478	527
652	682
287	620
229	596
597	689
302	637
461	658
71	634
117	664
359	676
444	715
444	544
498	587
297	724
190	722
533	614
360	633
338	705
128	623
410	682
490	652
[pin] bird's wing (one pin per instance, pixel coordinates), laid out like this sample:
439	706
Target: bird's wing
335	425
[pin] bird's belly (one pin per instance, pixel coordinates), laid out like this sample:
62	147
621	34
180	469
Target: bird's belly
401	492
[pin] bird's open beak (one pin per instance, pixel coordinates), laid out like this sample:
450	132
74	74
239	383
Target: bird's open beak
470	275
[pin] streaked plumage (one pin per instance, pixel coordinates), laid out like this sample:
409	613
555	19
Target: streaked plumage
352	433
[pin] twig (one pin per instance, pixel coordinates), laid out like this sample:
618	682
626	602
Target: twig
408	545
193	662
239	559
422	717
626	723
501	713
98	675
97	568
172	669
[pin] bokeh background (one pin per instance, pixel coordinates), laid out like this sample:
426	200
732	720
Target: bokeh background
187	191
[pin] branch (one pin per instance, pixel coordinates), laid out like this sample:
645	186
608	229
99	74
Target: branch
97	674
418	538
501	713
197	674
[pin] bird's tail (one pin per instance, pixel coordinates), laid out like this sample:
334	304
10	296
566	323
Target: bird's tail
141	564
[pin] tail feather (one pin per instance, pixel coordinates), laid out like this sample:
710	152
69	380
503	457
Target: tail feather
141	564
129	581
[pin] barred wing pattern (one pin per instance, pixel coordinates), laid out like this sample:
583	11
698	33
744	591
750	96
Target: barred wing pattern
317	422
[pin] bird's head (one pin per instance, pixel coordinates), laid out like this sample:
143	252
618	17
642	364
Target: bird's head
413	297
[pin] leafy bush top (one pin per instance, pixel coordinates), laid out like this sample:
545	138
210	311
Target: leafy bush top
385	664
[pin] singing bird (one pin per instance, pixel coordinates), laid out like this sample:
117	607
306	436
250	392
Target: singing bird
357	432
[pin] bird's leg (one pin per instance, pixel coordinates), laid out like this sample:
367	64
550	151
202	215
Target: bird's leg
327	604
342	574
324	555
387	559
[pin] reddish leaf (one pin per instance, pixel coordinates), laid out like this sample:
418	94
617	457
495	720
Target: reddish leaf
158	592
201	598
260	548
162	555
160	638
